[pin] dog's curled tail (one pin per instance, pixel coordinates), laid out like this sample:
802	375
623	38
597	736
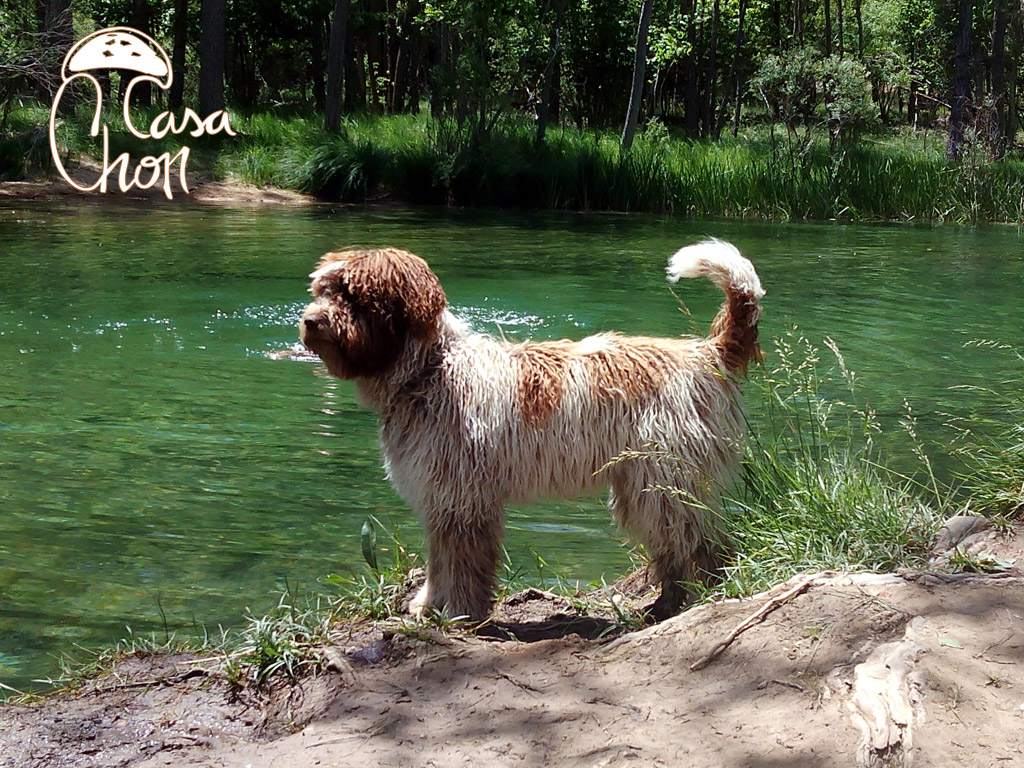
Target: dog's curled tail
734	330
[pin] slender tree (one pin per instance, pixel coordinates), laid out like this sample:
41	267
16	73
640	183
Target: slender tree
828	27
639	66
961	81
1016	25
839	28
691	88
737	88
860	29
336	63
711	108
544	112
174	96
406	63
211	57
59	32
142	94
999	140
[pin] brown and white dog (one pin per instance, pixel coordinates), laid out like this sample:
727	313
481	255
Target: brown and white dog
469	422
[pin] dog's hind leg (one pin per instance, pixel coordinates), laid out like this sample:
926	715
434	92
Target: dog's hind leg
464	552
673	524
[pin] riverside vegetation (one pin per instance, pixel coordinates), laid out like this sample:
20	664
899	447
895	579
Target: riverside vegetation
816	493
899	176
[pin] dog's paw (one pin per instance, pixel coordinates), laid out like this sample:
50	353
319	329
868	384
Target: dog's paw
418	605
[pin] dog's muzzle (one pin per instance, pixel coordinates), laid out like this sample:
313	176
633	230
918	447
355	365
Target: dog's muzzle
312	324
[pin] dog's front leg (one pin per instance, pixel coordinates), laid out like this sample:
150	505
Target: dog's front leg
465	547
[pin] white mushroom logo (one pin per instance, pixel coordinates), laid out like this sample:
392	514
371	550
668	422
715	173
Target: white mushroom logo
124	48
119	48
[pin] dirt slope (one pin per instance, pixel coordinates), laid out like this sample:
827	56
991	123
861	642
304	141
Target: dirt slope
869	670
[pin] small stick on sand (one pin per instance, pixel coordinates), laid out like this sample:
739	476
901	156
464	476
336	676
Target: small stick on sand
754	618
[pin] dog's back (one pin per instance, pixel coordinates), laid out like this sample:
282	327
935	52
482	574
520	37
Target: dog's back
553	419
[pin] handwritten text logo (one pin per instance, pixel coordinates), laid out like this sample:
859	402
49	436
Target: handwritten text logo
127	49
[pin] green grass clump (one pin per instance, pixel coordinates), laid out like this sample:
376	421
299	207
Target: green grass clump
288	641
376	595
816	494
990	441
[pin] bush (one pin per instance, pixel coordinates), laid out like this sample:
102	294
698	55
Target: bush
805	88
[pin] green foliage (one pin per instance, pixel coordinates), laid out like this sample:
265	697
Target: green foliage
849	109
376	595
368	540
805	88
788	85
342	168
416	159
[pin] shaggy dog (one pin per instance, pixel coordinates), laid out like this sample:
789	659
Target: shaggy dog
469	422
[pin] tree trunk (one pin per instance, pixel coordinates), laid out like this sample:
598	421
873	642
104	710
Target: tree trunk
544	112
59	33
839	28
961	82
639	66
999	140
691	91
405	58
1016	23
211	57
241	75
376	55
355	74
860	30
318	64
738	91
828	27
336	64
416	75
175	96
712	85
142	94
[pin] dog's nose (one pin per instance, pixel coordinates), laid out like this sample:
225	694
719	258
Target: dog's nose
311	322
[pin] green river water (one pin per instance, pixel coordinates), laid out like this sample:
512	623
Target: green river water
158	462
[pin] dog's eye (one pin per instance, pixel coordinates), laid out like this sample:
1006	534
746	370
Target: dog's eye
330	291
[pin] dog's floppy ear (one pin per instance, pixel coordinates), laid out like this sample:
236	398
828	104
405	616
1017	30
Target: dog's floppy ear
399	289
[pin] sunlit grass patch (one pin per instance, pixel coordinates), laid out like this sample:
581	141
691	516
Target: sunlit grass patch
376	589
816	492
286	642
990	441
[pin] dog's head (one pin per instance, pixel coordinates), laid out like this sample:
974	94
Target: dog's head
367	305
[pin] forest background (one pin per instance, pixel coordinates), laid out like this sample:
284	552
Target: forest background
860	109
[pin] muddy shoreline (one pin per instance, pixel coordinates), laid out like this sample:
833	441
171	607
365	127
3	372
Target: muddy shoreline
201	191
